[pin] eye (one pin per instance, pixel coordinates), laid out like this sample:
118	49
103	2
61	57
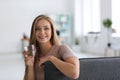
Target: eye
37	29
46	28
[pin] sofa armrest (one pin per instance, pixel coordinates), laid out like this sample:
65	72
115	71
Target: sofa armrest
52	73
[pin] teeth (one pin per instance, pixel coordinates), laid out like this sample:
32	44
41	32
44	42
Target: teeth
41	37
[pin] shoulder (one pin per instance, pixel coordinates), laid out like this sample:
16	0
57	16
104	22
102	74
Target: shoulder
66	51
64	46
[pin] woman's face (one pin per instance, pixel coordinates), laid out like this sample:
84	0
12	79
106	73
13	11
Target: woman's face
43	31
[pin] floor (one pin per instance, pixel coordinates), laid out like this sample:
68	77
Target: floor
12	65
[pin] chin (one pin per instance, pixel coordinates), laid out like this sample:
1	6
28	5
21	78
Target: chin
42	42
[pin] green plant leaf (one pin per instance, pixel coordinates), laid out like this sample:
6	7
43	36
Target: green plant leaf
107	23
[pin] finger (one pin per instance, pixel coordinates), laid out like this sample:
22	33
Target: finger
24	60
26	55
27	60
39	63
24	52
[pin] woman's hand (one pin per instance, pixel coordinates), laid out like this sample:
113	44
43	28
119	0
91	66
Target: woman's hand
42	60
29	60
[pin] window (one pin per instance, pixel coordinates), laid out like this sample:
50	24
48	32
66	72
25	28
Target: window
91	16
116	18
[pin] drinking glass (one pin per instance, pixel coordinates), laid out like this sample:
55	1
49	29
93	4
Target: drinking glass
30	49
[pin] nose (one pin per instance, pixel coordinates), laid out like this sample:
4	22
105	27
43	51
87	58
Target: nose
42	31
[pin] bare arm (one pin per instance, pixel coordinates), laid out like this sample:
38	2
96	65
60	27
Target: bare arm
69	67
29	73
29	70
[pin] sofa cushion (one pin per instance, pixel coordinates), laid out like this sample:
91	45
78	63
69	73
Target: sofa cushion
106	68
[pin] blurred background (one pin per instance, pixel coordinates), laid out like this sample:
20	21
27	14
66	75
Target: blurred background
79	23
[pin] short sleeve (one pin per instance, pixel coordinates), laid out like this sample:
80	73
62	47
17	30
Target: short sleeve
66	52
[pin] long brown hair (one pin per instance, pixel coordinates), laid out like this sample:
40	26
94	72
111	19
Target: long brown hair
54	38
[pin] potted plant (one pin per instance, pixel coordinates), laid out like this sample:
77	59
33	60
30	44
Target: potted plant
107	24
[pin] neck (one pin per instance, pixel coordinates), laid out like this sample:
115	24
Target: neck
45	48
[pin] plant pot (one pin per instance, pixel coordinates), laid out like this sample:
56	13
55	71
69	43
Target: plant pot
109	44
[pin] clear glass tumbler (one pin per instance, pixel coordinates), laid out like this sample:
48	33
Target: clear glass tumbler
30	49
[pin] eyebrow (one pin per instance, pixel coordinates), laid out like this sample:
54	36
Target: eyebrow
42	26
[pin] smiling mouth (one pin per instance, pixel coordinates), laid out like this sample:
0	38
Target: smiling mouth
42	37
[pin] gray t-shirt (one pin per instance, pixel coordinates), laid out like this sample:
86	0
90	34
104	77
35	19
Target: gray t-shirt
60	51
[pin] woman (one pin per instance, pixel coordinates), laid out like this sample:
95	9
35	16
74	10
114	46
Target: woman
45	40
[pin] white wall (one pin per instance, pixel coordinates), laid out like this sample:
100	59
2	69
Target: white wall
98	46
105	13
16	17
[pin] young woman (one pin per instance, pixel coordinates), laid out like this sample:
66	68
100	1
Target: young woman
47	48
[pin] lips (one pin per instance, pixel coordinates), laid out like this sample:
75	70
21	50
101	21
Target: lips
42	37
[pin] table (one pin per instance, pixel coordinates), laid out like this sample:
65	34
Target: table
115	49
